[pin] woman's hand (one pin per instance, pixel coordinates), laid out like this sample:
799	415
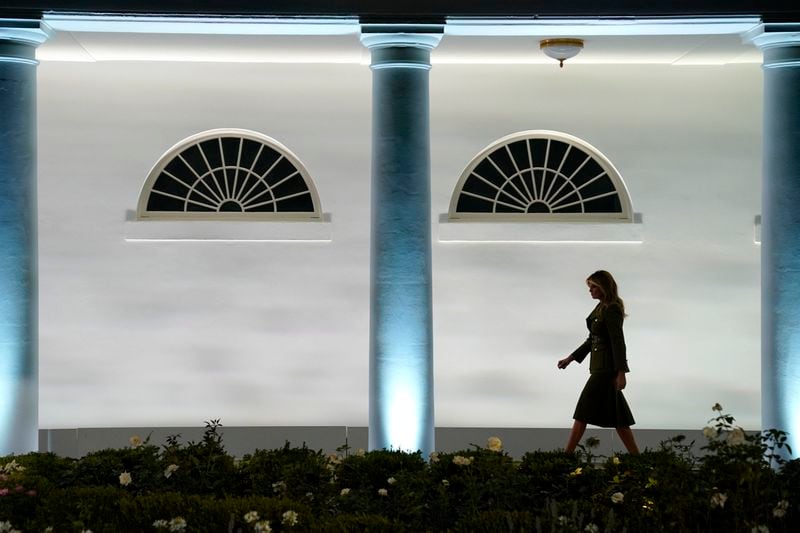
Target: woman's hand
564	363
620	381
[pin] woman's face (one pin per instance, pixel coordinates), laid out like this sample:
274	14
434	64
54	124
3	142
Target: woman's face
595	291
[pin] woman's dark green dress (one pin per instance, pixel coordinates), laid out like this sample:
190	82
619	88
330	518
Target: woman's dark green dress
600	403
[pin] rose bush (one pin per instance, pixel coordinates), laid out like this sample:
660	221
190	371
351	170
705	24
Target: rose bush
741	483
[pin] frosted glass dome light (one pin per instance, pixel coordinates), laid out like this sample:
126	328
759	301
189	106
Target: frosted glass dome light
561	49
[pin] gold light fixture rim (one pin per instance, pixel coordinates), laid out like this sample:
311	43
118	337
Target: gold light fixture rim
560	41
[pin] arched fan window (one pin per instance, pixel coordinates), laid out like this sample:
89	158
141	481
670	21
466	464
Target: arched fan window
228	174
541	175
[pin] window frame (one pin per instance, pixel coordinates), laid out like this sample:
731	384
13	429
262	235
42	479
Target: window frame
142	213
625	215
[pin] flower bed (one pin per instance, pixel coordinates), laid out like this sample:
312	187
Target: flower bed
739	484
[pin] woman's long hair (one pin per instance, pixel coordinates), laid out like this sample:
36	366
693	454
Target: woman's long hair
606	282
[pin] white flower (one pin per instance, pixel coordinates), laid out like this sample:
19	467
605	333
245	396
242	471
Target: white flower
6	526
718	499
460	460
760	529
361	452
383	492
262	527
736	437
780	509
280	486
710	432
344	492
334	459
170	470
616	461
10	468
135	441
494	444
251	517
48	529
617	497
445	483
289	518
434	457
177	524
160	523
591	528
86	531
125	479
562	520
391	481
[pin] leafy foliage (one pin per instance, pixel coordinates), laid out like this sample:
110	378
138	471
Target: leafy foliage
741	482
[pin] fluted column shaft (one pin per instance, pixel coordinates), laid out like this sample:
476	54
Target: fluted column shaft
401	338
19	388
780	233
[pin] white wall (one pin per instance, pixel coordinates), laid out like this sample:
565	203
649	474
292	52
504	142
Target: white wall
170	334
687	142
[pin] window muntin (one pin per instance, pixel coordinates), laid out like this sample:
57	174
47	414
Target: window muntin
541	175
229	174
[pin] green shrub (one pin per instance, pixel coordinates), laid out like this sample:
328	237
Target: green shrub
200	467
298	473
741	484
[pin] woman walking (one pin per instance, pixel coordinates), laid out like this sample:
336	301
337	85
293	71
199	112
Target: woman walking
601	403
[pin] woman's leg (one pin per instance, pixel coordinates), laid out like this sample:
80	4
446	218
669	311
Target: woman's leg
626	436
575	435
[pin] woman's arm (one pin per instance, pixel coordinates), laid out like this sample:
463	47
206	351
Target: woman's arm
613	318
578	355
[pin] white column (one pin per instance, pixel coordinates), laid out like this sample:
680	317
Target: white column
401	337
780	230
19	381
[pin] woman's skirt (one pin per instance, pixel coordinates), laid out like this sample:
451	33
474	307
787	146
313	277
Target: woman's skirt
601	404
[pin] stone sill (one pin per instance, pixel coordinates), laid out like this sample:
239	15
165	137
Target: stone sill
543	232
228	231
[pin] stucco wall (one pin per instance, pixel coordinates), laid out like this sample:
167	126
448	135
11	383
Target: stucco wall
171	334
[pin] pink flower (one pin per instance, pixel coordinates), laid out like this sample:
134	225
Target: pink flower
31	492
19	488
3	492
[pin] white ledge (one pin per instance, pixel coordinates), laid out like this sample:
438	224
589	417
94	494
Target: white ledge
541	232
599	26
227	231
200	25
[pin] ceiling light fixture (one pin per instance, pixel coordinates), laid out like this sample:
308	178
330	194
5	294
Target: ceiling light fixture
561	49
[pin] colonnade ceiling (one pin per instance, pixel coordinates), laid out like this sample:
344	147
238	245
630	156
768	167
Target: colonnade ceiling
410	10
698	49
